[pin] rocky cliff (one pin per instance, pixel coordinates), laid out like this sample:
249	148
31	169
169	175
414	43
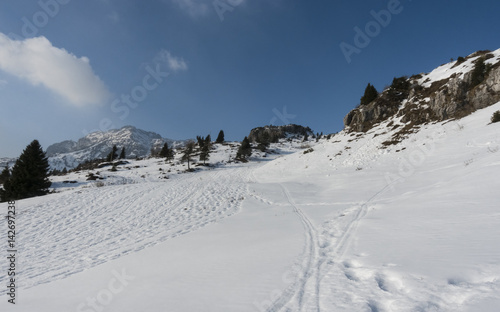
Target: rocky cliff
445	93
274	133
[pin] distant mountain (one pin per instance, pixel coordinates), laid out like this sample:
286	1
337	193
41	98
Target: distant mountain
7	161
137	143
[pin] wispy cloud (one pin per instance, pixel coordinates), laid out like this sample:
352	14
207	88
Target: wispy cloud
174	63
37	61
194	7
197	8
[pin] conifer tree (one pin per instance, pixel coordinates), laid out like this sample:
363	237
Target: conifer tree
170	154
478	73
220	137
30	175
188	152
201	141
370	94
205	153
113	154
122	154
263	140
166	152
245	149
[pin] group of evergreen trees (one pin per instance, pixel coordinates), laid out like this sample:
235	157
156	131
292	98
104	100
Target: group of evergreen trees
113	155
202	147
29	176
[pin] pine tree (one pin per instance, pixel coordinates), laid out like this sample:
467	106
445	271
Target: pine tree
370	94
245	149
113	154
201	141
30	175
188	152
220	137
263	140
122	154
166	152
5	175
170	154
205	152
479	72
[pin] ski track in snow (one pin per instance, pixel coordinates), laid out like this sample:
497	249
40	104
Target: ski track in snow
70	232
305	293
320	253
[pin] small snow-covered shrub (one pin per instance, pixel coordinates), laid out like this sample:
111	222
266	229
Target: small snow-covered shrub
495	117
99	184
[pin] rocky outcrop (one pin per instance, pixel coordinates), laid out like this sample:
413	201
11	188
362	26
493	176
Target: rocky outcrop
451	97
363	118
274	133
455	99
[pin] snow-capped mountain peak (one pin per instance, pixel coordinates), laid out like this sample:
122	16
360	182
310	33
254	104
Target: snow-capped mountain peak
137	143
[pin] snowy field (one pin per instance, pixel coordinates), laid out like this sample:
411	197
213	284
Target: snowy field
349	226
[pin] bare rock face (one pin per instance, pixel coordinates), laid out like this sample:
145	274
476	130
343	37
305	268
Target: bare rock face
488	92
274	133
364	117
428	100
455	100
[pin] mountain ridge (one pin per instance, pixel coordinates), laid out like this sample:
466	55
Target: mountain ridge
137	143
447	92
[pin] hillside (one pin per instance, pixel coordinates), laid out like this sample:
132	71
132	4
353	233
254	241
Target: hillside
397	212
445	93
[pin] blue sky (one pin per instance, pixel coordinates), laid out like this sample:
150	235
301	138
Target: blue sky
183	68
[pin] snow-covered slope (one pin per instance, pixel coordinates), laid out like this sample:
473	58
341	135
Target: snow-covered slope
137	143
456	70
346	224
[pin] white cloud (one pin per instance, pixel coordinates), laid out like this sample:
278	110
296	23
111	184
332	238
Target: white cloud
194	7
197	8
173	63
40	63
